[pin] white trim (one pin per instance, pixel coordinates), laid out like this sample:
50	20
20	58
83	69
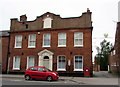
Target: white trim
28	59
79	38
16	43
74	64
29	41
65	39
14	63
44	53
62	46
78	45
61	69
43	40
47	22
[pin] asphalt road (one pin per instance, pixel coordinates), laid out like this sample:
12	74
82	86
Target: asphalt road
101	78
15	81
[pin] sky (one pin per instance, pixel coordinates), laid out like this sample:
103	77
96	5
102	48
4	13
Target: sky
104	14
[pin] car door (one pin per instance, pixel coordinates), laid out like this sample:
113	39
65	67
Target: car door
41	73
33	72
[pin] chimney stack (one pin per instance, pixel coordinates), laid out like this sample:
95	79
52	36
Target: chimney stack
88	10
23	18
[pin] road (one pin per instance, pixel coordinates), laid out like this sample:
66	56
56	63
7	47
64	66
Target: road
101	78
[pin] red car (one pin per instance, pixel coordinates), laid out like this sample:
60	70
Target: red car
40	72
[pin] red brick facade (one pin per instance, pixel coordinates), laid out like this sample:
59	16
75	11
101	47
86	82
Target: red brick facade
4	46
115	54
59	25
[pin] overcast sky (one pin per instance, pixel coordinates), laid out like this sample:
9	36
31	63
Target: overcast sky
104	13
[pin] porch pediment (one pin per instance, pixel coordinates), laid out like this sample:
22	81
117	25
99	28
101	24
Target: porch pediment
45	51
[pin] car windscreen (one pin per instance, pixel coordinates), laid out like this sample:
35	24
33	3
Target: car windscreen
47	69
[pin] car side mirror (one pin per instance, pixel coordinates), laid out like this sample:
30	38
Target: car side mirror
44	70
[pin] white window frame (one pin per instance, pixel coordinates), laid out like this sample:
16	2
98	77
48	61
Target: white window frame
114	52
31	41
61	39
47	22
14	63
78	38
28	60
17	41
49	40
61	69
74	64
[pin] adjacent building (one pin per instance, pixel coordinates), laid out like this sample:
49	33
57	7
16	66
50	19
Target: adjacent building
60	44
4	50
114	59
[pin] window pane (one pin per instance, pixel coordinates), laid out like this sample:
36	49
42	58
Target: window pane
46	40
32	40
40	69
62	39
61	62
18	41
47	23
78	62
30	61
16	62
78	38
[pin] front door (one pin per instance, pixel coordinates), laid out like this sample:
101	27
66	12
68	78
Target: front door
46	59
46	62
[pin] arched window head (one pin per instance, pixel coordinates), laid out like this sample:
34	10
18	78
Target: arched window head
47	22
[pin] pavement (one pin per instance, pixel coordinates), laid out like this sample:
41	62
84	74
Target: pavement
100	78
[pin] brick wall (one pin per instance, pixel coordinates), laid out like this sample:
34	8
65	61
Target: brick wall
5	45
69	51
68	25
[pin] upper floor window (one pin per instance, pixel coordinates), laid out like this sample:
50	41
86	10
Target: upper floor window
78	39
78	63
18	41
47	22
46	40
61	39
32	41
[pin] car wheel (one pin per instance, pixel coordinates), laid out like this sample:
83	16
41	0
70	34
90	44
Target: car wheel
49	78
27	77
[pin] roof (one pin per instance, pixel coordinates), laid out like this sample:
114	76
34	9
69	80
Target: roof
4	33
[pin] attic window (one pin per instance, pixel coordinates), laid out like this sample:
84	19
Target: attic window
26	26
47	22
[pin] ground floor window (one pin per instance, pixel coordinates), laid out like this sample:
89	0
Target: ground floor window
61	65
30	61
16	63
78	63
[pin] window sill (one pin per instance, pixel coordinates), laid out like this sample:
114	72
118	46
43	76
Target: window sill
78	69
31	47
16	69
61	46
45	46
17	47
78	46
61	69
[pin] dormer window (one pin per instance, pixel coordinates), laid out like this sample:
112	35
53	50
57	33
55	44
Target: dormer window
47	22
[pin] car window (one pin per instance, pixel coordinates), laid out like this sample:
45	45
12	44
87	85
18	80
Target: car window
33	69
40	69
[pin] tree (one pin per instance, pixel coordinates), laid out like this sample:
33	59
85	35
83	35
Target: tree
103	54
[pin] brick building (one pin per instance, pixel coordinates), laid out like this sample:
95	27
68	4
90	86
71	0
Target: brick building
60	44
96	66
115	53
4	50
